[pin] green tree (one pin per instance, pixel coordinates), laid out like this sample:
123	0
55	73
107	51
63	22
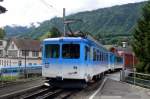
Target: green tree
55	32
2	33
141	41
98	37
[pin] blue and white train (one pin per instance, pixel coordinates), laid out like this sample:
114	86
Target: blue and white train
75	59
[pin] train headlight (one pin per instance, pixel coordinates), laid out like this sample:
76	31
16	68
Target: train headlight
46	84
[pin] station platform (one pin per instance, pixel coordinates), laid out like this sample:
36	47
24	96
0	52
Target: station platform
113	89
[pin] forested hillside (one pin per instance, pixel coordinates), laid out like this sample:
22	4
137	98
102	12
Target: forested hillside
117	20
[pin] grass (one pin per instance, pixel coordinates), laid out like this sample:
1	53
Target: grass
8	78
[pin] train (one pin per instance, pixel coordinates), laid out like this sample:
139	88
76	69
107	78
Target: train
76	61
20	70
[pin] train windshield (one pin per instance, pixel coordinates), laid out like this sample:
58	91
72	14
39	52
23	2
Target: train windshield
52	50
71	51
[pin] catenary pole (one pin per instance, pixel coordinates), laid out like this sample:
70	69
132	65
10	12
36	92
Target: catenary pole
64	21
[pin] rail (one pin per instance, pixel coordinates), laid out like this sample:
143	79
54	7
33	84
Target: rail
136	78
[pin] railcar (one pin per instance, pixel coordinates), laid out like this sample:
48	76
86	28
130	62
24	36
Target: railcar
73	59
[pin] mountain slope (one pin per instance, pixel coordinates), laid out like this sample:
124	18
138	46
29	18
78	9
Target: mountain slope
106	21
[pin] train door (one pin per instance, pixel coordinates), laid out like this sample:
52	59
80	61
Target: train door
111	61
70	60
87	55
52	65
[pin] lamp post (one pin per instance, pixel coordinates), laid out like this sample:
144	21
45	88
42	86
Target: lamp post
123	68
134	69
25	65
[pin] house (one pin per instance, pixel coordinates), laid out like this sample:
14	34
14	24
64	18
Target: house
3	44
22	51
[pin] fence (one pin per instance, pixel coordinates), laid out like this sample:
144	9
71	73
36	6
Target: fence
15	74
135	78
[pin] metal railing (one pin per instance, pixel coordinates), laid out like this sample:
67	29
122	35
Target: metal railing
135	78
11	76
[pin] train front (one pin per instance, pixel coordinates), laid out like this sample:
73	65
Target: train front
63	62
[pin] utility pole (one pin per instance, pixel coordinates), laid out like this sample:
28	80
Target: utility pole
25	63
64	11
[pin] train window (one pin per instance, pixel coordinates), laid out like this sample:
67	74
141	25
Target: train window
52	51
106	57
71	51
87	52
94	55
102	55
97	55
119	59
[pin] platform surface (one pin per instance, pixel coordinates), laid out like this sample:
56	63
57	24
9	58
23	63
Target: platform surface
114	89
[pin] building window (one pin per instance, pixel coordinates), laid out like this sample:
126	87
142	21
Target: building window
1	52
7	62
2	62
12	46
25	53
35	54
12	53
19	63
1	43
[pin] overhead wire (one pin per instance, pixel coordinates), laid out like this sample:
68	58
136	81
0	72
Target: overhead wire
50	6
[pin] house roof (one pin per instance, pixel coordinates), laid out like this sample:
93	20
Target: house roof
126	50
27	44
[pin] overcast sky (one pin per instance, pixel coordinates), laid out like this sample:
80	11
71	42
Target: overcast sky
25	12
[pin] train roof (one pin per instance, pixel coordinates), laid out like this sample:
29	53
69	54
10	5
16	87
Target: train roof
76	39
64	38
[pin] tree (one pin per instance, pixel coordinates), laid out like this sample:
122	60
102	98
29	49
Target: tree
2	9
55	32
141	40
2	33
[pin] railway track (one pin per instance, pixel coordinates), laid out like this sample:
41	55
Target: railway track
41	92
51	93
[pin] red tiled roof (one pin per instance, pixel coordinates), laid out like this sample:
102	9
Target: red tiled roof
27	44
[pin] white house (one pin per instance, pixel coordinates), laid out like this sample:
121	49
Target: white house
21	52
